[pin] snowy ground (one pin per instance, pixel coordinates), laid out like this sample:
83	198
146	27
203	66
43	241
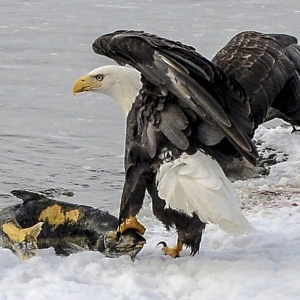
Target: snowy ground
264	265
48	139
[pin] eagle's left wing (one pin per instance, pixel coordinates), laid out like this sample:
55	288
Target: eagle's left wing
196	83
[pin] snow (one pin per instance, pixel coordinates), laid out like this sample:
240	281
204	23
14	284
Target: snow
49	139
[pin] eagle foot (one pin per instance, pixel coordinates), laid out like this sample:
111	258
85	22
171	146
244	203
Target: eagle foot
132	223
171	251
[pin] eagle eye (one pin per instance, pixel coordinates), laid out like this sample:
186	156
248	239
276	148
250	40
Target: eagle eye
99	77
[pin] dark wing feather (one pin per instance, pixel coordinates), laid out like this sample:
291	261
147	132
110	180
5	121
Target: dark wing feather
172	124
263	64
204	101
187	75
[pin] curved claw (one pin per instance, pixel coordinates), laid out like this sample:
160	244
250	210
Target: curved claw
174	251
162	243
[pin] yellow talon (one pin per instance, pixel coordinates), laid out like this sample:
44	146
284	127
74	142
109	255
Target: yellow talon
132	223
171	251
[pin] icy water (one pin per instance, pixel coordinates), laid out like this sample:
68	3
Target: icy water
48	138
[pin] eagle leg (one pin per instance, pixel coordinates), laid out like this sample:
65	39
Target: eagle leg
131	223
171	251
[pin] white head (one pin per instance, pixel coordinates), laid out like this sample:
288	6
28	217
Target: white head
120	83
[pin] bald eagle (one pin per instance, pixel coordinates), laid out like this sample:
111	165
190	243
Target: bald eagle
187	117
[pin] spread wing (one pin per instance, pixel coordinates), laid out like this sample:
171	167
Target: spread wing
196	85
267	66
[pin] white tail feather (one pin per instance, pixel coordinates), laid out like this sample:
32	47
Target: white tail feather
196	183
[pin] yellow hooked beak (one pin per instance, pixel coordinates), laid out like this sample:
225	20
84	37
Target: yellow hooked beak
84	84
